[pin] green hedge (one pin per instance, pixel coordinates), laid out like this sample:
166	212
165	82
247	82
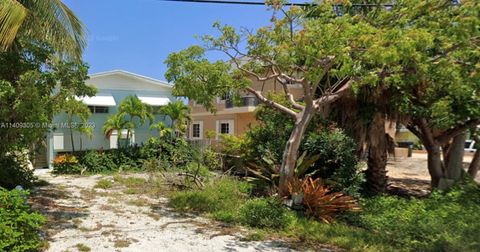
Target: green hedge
19	226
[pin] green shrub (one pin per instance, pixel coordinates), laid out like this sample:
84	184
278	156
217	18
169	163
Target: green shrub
96	162
174	152
14	172
152	148
19	226
337	163
259	141
447	222
211	159
265	213
128	158
225	216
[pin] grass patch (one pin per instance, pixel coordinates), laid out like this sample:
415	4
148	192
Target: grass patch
256	235
133	191
82	247
138	202
130	182
225	195
123	243
104	184
441	222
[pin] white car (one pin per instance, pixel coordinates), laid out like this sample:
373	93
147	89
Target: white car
470	146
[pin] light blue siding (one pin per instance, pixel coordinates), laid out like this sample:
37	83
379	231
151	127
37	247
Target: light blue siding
98	140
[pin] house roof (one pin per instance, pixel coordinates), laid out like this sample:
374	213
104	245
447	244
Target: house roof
133	75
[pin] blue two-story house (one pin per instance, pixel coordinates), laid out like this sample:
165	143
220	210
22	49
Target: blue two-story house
112	88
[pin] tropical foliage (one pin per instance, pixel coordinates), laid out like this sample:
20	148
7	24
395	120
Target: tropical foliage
132	112
323	204
19	225
77	109
49	21
179	114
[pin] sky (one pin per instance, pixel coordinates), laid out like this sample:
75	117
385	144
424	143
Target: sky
138	35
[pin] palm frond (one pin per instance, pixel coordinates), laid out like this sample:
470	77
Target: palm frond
12	16
53	22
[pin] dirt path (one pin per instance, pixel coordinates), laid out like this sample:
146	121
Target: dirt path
412	174
82	217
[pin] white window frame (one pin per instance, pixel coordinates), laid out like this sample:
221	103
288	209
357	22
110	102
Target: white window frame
201	130
114	138
231	127
58	141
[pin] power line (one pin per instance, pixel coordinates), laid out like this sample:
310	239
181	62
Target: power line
263	3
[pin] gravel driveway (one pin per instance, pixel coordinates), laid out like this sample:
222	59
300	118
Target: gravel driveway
85	218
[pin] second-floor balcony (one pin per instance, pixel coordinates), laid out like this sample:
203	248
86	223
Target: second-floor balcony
244	102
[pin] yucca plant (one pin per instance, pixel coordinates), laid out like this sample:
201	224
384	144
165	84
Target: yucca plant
323	204
267	171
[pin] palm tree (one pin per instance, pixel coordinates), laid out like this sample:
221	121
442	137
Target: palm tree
74	108
178	113
49	21
132	107
87	131
115	122
162	128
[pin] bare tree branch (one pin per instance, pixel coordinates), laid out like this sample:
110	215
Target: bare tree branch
326	99
449	134
272	104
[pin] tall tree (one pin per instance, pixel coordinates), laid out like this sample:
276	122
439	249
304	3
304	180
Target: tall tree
133	108
132	112
34	85
49	21
179	113
75	109
115	122
426	54
316	54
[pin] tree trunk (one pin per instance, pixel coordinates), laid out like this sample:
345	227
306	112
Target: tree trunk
474	165
290	154
454	166
435	164
376	174
71	138
81	142
173	129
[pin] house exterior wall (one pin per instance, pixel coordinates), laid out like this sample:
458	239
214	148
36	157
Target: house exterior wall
242	116
119	85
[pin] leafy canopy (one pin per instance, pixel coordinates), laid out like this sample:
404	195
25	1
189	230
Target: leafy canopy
318	53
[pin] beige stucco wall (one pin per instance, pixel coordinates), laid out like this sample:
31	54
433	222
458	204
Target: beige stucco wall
241	122
242	116
265	87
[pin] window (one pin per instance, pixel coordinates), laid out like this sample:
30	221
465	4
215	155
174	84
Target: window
58	141
98	109
115	139
225	127
197	128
